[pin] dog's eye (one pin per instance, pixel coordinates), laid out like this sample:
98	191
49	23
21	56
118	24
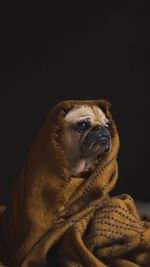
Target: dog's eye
82	126
108	125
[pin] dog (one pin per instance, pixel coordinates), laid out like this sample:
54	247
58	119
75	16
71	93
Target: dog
84	137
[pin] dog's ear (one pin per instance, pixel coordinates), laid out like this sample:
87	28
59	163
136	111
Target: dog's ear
105	106
66	110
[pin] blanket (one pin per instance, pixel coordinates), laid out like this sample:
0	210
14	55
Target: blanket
53	219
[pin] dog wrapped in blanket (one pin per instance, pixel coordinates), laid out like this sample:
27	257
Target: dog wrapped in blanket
60	212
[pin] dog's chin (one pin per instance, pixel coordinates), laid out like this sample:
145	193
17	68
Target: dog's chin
94	149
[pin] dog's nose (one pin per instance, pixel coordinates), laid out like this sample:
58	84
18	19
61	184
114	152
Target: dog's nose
99	128
96	128
102	134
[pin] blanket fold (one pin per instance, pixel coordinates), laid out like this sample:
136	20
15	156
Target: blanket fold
53	219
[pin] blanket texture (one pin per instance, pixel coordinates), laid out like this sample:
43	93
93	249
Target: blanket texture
53	219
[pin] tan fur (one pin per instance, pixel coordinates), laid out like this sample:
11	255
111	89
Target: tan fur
71	140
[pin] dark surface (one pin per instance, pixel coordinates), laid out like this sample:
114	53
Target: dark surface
46	58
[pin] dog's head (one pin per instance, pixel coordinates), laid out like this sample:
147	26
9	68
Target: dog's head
85	136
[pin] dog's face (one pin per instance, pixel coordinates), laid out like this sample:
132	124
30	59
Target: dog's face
84	137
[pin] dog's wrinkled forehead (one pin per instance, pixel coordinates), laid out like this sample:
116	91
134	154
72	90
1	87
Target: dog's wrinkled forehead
81	112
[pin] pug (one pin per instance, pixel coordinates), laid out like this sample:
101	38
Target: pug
84	137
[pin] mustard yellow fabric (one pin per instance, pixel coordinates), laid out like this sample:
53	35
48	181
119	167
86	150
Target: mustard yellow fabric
53	219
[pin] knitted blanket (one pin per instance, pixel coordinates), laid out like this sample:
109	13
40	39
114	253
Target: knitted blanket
53	219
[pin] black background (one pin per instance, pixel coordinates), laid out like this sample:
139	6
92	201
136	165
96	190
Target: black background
63	52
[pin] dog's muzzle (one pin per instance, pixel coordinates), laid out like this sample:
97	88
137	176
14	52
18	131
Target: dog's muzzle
97	138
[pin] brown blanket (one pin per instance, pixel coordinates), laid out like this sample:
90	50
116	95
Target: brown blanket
56	220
